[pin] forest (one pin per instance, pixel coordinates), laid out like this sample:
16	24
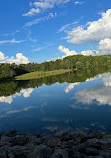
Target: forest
77	62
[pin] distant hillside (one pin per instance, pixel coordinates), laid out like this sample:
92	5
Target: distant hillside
79	62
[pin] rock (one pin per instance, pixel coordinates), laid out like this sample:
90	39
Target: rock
41	151
105	141
95	157
79	155
54	142
34	140
61	134
91	142
37	135
3	154
19	140
5	143
91	151
70	143
59	153
5	138
105	154
21	151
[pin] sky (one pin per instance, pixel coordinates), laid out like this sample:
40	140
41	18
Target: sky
44	30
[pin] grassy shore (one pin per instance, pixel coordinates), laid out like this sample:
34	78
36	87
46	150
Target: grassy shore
40	74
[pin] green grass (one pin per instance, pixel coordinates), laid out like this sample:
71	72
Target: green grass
41	74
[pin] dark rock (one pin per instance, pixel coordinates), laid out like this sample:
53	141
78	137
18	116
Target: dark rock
79	155
41	151
59	153
34	140
95	156
91	151
91	142
3	154
19	140
54	142
105	154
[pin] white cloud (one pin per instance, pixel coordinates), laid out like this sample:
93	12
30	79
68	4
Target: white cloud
11	41
20	110
67	26
12	33
36	21
2	56
105	46
40	6
30	38
73	52
90	52
106	78
93	31
71	86
20	59
9	99
101	93
67	51
79	2
4	99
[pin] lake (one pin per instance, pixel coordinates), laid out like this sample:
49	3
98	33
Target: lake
67	101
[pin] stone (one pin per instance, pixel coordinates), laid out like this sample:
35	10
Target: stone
41	151
105	154
59	153
34	140
95	156
3	154
91	151
54	142
79	155
105	141
92	141
19	140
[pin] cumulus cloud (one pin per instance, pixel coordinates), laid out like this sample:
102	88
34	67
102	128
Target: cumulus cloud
42	5
4	99
9	99
67	51
106	78
73	52
11	41
39	20
105	46
72	85
20	59
92	32
100	93
90	52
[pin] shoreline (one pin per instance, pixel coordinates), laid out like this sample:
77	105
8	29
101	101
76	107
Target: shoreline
59	145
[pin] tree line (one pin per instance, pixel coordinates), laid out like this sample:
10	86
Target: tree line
78	62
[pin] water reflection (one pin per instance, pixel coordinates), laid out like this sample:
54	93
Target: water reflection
64	101
9	99
101	92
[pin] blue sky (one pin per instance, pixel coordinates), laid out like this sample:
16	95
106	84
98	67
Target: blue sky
47	29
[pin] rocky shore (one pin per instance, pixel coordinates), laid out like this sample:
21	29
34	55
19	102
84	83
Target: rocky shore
59	145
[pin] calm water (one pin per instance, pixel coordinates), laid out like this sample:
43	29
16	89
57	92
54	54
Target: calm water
65	101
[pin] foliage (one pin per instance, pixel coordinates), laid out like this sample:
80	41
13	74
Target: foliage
78	62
